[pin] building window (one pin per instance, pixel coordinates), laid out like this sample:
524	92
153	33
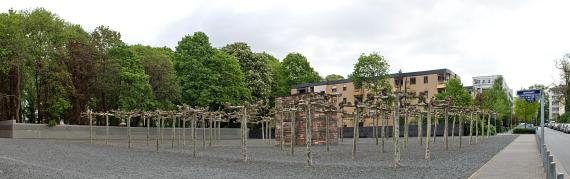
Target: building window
413	81
333	89
425	79
440	78
343	87
344	100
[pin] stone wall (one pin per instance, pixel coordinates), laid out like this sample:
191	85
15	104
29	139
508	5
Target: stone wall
42	131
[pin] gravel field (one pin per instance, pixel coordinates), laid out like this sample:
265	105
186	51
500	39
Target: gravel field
31	158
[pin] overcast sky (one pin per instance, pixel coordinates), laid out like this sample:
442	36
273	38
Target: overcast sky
518	39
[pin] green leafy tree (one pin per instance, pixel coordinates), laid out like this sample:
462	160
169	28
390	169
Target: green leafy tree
135	92
208	77
45	31
255	68
371	72
297	70
279	85
108	71
157	63
80	63
496	99
334	77
13	49
455	91
545	90
525	111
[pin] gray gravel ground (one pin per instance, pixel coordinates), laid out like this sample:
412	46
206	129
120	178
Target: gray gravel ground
31	158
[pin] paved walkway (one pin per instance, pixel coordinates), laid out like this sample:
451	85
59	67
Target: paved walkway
520	159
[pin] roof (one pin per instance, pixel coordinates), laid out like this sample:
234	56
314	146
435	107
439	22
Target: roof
393	75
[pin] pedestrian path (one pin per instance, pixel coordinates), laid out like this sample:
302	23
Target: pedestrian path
520	159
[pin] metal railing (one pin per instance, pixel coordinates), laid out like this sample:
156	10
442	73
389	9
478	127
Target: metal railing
547	159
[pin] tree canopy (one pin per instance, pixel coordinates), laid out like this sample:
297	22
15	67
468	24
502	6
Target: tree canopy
334	77
455	91
526	111
371	72
208	76
297	70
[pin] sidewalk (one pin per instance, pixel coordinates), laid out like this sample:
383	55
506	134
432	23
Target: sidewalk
520	159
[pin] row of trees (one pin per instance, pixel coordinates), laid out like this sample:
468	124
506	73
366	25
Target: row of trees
52	69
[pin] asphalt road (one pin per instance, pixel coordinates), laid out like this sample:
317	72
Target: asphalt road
559	144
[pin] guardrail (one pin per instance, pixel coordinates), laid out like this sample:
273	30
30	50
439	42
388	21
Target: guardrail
547	159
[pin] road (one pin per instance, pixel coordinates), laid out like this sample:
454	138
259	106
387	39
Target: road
559	144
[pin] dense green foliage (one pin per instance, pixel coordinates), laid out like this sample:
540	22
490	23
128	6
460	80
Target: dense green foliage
371	72
334	77
255	68
208	76
52	69
525	111
497	100
454	90
546	92
297	70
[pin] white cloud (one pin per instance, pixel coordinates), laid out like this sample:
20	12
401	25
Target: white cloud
518	39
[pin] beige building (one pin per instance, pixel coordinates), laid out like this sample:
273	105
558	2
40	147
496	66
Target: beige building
430	82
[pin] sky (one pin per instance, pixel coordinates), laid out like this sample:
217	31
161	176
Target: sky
519	39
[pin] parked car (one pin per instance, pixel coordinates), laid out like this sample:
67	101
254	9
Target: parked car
566	128
556	127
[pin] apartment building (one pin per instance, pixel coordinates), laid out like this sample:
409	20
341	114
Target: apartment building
430	82
556	104
481	83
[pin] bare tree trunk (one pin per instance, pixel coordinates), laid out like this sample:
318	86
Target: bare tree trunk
489	125
435	128
195	117
211	127
90	126
428	131
158	132
375	128
269	131
203	131
397	135
161	130
471	129
453	127
147	129
355	133
244	135
460	130
477	129
420	128
106	129
292	133
406	130
183	132
281	129
173	130
445	130
383	131
263	131
129	130
327	131
308	136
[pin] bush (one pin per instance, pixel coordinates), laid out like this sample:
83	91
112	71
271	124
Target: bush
52	123
523	131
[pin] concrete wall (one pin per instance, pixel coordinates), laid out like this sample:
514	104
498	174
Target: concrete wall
42	131
6	128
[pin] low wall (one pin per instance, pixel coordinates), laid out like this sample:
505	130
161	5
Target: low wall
6	128
42	131
367	132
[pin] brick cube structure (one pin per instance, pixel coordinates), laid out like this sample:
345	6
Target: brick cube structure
318	128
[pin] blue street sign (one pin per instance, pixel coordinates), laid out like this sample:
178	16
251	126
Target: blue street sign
529	95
